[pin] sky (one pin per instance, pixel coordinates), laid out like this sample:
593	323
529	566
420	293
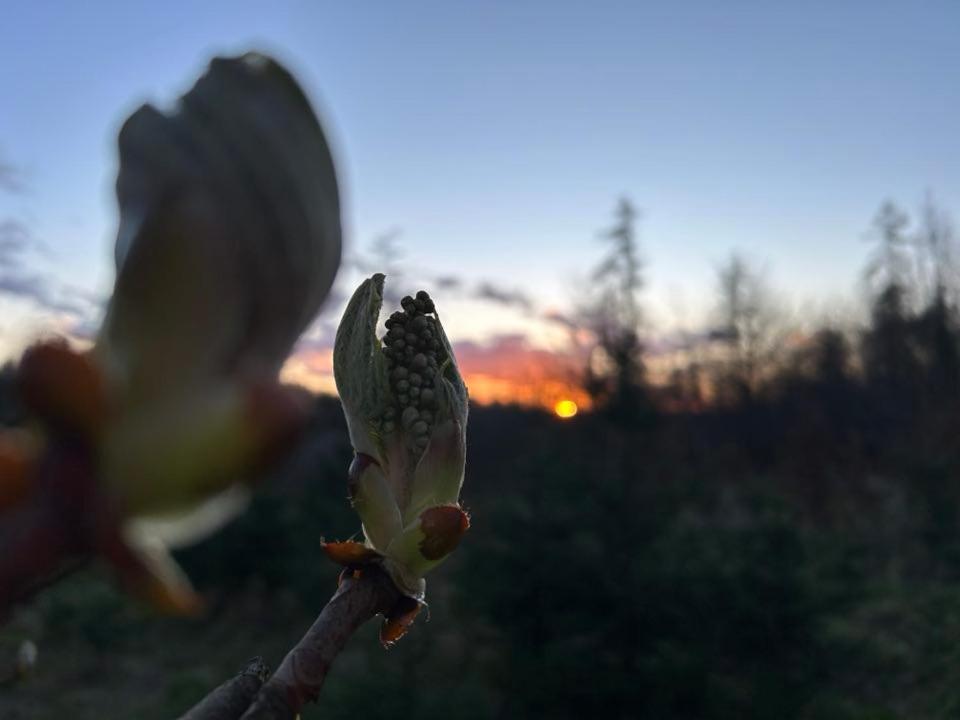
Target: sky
492	140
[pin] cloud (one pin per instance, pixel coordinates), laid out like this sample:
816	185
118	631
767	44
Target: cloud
43	291
312	369
504	369
11	178
502	296
14	241
447	282
508	355
84	328
336	299
318	338
19	281
310	365
28	286
560	318
509	369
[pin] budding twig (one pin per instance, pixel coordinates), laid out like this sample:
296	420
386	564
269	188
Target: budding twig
362	595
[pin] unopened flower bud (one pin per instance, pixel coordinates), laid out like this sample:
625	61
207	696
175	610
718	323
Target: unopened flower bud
408	490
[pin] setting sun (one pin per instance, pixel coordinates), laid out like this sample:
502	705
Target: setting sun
565	409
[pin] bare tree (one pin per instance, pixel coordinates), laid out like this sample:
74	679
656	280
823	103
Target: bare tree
888	351
935	244
750	325
936	325
890	264
615	376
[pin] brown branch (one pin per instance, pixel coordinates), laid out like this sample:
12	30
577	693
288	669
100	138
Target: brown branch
362	594
229	701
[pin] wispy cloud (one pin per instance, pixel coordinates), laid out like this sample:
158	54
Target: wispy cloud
14	240
22	255
319	337
561	318
11	179
506	368
504	296
41	290
19	280
386	254
447	282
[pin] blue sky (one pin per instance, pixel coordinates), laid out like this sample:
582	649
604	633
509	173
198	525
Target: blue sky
497	136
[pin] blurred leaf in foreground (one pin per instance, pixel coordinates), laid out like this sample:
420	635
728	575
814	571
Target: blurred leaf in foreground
228	242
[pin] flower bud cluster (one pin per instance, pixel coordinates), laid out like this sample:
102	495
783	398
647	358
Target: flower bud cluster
414	355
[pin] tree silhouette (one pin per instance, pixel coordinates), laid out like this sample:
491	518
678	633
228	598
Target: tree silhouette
891	366
748	324
937	323
616	372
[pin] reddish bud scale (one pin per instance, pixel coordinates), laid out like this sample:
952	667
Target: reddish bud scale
443	528
349	553
398	620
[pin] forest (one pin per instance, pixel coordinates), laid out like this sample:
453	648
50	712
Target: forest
771	531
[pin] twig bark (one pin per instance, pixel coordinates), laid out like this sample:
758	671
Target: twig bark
233	697
363	594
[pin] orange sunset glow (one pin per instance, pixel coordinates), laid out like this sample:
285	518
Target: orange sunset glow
506	370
